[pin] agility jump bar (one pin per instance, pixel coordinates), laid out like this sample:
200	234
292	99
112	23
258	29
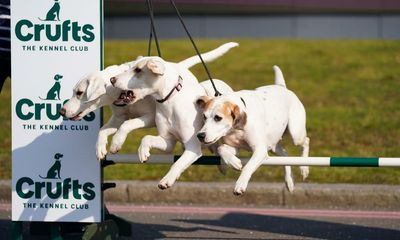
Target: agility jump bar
271	161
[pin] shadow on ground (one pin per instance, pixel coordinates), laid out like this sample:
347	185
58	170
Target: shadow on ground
270	225
237	226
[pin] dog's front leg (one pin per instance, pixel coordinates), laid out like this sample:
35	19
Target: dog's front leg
109	128
149	142
127	127
190	155
228	155
259	155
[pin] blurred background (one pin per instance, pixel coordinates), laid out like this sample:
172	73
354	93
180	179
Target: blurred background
341	57
372	19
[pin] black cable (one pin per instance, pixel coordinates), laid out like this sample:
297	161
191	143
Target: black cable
150	9
217	93
150	40
153	29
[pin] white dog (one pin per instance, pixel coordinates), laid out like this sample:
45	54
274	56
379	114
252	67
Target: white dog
176	90
255	120
95	91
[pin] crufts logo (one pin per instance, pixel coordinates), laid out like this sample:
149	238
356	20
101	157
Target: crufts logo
54	170
53	187
54	91
54	12
27	109
52	29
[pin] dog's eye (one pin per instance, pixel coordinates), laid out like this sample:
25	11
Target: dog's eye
217	118
137	70
79	93
204	117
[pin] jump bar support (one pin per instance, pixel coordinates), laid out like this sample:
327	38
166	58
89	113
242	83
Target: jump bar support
271	161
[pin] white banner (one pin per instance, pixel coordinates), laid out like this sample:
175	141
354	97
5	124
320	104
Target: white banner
55	174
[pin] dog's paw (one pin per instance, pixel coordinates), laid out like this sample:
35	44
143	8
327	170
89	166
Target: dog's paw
144	153
101	151
114	148
235	163
304	171
166	182
289	184
240	188
117	142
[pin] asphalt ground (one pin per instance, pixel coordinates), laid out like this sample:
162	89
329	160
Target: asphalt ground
189	222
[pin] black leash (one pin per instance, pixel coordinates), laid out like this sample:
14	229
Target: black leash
152	29
153	33
217	93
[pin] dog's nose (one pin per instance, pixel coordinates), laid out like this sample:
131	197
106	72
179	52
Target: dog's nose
201	136
113	80
62	112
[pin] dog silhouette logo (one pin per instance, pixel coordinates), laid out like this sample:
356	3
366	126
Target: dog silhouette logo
54	170
54	91
54	12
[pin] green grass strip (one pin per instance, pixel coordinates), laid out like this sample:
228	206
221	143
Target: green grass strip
354	162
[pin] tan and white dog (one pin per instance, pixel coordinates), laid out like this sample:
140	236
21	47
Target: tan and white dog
176	90
95	91
255	121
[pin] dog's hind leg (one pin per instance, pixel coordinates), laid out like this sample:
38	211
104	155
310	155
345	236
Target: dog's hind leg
127	127
280	151
109	128
305	148
297	129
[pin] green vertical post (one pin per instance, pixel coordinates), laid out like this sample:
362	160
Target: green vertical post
16	230
55	232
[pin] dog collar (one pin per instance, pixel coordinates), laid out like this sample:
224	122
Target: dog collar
177	88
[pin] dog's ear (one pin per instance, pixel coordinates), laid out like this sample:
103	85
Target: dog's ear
95	89
202	101
156	66
239	118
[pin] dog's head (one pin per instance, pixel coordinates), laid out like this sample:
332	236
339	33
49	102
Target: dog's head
221	114
143	79
86	97
91	93
57	156
57	77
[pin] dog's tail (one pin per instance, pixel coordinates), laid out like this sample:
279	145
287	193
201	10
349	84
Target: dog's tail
208	56
279	80
42	98
43	177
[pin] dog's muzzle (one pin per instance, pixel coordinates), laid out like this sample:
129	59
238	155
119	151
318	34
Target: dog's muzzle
201	136
62	112
113	80
125	98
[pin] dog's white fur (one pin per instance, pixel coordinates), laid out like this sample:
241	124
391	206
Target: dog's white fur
255	120
95	91
178	118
